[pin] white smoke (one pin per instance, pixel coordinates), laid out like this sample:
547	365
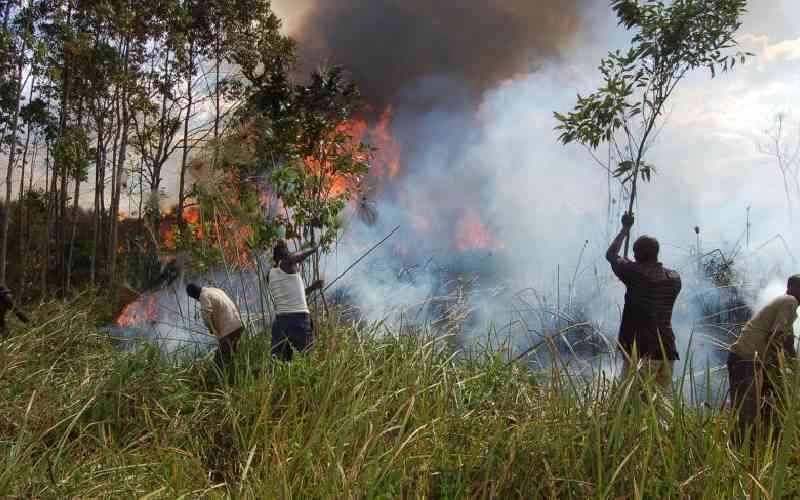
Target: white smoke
544	201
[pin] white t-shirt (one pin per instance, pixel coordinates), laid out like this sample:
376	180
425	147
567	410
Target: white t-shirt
219	312
288	291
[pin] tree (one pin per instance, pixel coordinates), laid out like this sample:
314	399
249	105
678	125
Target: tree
72	153
671	39
18	49
785	150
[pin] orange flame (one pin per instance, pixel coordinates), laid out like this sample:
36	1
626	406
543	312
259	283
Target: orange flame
471	234
386	160
387	157
142	310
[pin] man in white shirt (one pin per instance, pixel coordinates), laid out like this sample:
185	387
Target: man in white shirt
222	319
754	361
291	330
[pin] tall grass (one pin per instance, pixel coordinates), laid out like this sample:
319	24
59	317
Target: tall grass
367	415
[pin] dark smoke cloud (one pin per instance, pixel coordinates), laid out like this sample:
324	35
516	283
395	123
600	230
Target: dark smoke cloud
393	46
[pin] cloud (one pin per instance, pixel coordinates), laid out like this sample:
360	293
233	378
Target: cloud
769	52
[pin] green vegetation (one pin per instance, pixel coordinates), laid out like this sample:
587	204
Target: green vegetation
367	415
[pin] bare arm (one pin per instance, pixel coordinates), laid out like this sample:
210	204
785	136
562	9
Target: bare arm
612	255
297	258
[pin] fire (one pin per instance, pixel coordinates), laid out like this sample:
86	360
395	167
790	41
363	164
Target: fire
387	157
219	230
191	215
471	234
386	161
142	310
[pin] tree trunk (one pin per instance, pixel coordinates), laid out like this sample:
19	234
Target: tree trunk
47	230
185	155
10	173
218	54
61	212
114	156
21	203
26	256
71	257
123	148
99	180
6	14
162	154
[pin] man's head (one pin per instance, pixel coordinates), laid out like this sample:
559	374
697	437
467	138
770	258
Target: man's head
193	290
645	250
281	251
793	286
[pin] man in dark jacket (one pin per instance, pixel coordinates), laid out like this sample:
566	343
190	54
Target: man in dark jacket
645	335
7	305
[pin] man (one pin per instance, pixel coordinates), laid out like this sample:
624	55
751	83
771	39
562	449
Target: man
291	329
645	335
222	318
754	360
7	304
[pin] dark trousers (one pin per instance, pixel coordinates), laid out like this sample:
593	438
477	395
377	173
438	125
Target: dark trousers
227	348
291	332
751	398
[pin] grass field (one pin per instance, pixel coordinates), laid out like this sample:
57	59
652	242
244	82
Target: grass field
366	415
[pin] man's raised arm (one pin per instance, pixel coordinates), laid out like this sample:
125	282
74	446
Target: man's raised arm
297	258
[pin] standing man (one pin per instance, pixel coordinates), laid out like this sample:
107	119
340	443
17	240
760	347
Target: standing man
754	361
7	304
291	329
645	334
221	317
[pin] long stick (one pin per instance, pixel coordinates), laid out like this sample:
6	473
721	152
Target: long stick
354	264
630	208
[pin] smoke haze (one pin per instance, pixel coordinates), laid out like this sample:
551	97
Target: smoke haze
391	46
541	215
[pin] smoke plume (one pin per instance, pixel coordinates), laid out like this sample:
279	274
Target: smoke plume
392	46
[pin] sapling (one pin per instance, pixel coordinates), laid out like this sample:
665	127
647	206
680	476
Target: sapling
671	39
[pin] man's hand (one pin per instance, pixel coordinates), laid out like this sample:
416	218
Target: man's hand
627	221
317	285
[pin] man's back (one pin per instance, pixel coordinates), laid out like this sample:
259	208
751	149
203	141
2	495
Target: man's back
758	335
651	293
219	311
